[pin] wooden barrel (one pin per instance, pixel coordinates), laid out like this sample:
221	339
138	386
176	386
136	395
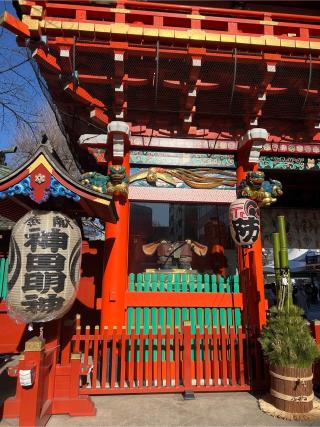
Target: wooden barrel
291	389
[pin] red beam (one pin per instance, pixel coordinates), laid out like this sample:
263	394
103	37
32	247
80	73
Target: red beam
222	11
182	299
46	60
82	95
99	117
14	25
93	47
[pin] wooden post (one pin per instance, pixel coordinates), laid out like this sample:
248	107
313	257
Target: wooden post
187	380
251	258
32	397
115	277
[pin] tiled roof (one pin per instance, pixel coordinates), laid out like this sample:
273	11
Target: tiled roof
4	170
5	223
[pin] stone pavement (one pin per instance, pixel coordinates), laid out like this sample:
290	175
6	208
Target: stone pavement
208	409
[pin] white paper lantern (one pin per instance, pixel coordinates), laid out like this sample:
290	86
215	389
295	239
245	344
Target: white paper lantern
244	221
44	266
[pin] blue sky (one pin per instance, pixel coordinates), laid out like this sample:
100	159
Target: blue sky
23	76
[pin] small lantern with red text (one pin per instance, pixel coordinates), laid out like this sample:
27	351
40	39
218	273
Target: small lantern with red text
244	222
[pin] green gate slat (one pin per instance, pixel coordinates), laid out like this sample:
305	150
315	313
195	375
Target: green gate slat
229	309
192	310
169	313
237	311
177	310
214	289
138	316
207	310
161	316
146	311
2	286
222	310
131	282
169	309
4	278
154	288
5	281
199	309
184	288
200	312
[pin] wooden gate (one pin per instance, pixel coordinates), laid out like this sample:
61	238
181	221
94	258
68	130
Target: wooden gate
115	362
183	332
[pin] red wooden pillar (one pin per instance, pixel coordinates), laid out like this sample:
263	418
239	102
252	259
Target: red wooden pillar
250	259
115	277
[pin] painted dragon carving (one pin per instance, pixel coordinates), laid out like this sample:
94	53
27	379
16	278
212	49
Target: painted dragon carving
116	182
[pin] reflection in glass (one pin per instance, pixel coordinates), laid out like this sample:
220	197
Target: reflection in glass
206	224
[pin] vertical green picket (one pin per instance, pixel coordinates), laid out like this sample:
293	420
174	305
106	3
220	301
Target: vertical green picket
229	309
237	311
222	311
193	321
184	288
214	289
5	279
177	310
2	268
192	309
169	313
200	311
161	317
138	322
169	309
146	310
154	288
207	317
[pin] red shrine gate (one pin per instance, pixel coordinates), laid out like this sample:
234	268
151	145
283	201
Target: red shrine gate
156	333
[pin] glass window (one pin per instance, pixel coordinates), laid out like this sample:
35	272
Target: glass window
171	222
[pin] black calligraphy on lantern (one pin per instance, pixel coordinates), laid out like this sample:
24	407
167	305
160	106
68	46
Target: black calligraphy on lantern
53	240
34	304
33	220
43	282
63	222
43	262
246	230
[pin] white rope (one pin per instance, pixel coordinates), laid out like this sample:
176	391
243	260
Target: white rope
289	398
296	379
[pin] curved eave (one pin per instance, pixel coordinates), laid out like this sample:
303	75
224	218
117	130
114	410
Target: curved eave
44	163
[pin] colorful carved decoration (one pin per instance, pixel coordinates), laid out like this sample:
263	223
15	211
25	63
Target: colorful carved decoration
175	254
116	182
193	177
244	222
255	187
24	188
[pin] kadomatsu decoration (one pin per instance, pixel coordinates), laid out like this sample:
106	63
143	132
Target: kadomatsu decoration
44	266
244	222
